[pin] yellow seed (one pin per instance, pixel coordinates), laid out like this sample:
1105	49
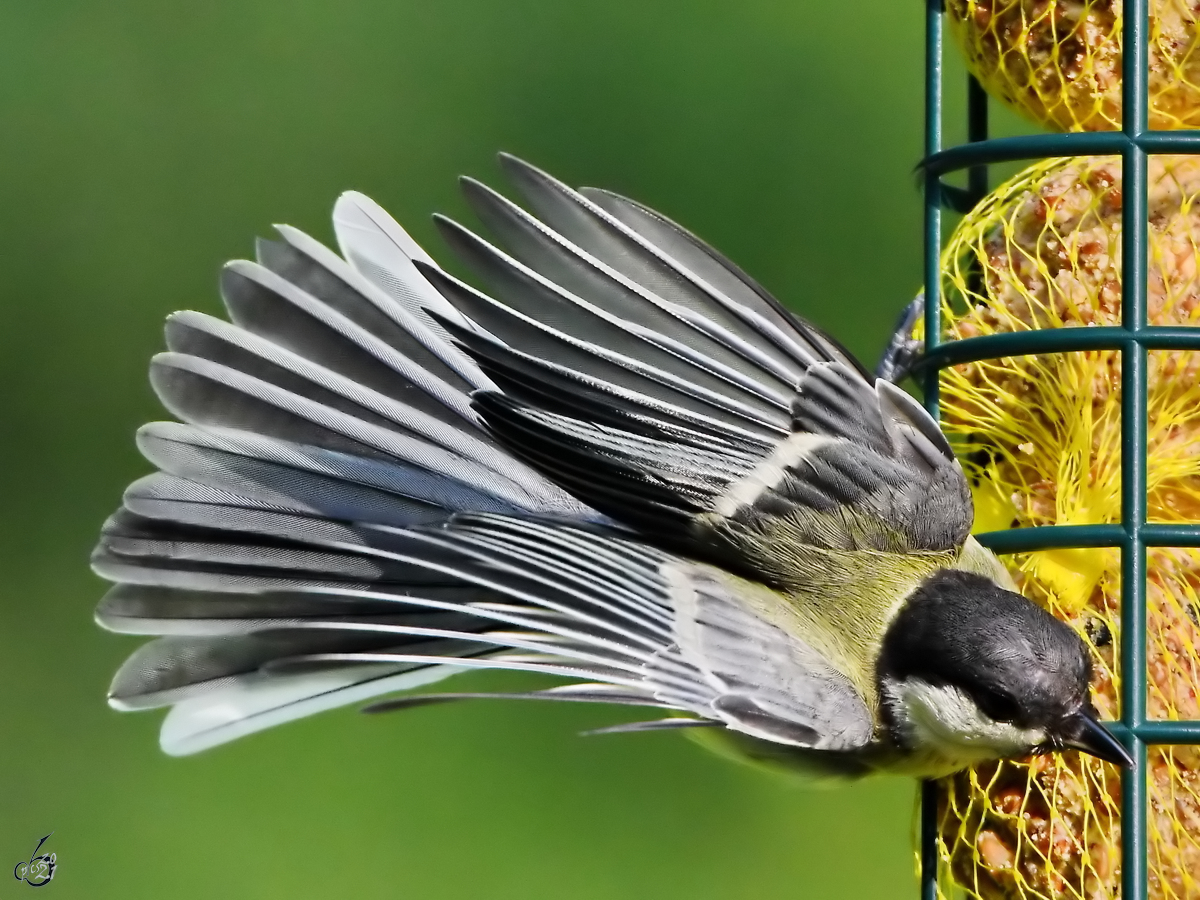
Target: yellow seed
996	855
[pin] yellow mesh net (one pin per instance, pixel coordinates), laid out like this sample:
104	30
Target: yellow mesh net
1059	61
1040	441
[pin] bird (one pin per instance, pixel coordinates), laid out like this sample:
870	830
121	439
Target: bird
623	465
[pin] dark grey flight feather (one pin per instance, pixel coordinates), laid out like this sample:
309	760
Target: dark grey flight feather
336	484
654	252
567	693
265	305
544	320
682	254
321	274
385	476
679	324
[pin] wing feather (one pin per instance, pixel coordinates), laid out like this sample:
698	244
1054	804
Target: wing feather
386	476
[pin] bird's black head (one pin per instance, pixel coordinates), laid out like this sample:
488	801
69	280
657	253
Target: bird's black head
1024	670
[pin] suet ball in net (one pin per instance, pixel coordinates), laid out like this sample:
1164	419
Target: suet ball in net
1059	61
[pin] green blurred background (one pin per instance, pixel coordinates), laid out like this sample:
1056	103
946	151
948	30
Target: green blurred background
147	142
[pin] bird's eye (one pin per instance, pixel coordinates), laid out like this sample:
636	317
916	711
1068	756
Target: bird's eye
999	706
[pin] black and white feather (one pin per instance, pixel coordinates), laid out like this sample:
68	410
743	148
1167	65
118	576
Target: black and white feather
383	476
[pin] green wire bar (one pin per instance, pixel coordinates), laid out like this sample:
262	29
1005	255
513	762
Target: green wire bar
1132	339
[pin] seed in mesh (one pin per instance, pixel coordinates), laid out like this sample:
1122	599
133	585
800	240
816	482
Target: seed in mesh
1042	438
1059	61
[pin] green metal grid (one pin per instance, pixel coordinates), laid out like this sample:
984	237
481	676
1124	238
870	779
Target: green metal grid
1132	339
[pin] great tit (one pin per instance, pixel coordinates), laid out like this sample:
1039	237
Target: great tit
626	465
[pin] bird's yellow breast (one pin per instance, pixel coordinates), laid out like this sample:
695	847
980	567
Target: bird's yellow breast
844	602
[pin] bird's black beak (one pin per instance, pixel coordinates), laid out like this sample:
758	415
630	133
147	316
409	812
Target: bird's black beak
1083	732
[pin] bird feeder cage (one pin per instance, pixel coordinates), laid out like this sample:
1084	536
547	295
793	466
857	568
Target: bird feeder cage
1129	338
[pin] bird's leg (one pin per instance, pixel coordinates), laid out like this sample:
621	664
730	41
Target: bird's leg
903	351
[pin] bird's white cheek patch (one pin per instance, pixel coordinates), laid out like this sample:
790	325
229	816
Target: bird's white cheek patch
768	473
945	721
